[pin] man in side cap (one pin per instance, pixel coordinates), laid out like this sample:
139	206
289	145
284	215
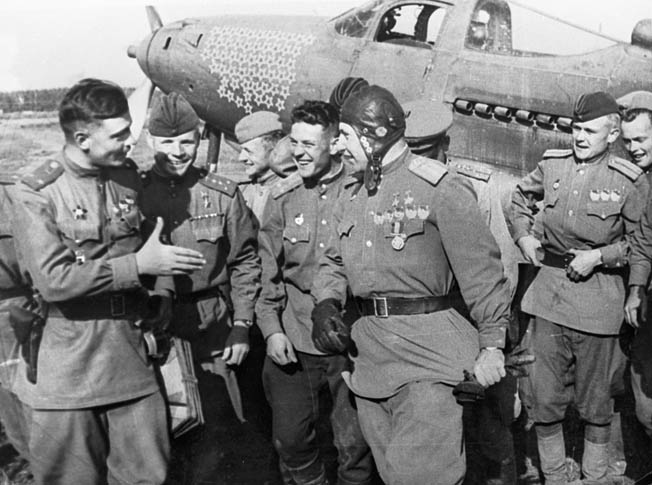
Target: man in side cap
262	148
636	129
206	212
407	240
592	201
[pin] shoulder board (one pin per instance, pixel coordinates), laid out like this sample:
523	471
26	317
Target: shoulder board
219	183
558	153
429	170
9	178
627	168
283	186
44	175
473	172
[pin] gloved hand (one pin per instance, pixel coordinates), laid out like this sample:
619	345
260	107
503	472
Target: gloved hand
329	332
469	390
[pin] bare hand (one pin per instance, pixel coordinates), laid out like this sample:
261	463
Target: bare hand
636	305
529	246
280	349
237	345
489	367
583	264
159	259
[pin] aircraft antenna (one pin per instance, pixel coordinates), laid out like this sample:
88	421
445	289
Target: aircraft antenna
564	21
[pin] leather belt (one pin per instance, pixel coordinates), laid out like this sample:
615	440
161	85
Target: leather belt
15	292
110	306
556	260
196	296
384	307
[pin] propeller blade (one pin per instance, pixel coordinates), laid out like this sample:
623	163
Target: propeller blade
154	18
138	106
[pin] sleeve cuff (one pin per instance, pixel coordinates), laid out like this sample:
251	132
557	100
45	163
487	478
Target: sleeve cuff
268	325
612	256
638	275
125	272
493	337
243	313
519	231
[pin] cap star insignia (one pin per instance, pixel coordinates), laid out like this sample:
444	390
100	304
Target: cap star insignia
79	213
298	219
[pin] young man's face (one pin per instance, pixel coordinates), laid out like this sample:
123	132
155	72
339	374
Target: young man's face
312	147
592	138
107	142
352	152
175	154
637	136
255	155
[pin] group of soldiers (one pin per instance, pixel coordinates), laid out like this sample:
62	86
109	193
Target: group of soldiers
372	271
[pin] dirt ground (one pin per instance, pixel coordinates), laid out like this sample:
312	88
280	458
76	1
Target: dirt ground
242	454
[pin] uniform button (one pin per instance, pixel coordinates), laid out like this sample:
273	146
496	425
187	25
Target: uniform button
617	264
321	245
570	212
369	243
293	240
582	172
323	196
575	192
175	222
323	222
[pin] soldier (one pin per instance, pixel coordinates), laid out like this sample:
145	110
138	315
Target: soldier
591	203
405	243
97	407
207	212
15	291
295	229
259	135
636	129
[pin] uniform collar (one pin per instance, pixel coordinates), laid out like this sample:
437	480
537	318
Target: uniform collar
187	179
396	160
327	180
595	160
268	178
77	170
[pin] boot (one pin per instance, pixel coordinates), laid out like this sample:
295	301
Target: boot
595	462
552	456
617	460
502	472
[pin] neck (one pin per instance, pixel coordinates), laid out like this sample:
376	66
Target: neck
78	157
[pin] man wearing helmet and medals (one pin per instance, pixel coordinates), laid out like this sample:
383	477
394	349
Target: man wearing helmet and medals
410	242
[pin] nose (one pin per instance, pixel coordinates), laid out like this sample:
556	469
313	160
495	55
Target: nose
175	149
242	156
297	151
130	141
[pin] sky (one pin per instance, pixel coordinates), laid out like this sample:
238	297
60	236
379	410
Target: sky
55	43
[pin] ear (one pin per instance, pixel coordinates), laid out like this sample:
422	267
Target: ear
613	135
334	147
82	139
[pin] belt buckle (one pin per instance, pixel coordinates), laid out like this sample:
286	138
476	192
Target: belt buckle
118	305
380	310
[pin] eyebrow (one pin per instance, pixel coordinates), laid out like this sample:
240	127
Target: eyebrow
121	132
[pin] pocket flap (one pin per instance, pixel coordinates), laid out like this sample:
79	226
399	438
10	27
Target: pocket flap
603	209
296	234
344	227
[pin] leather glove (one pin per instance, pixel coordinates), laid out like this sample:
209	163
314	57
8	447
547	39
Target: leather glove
329	332
469	390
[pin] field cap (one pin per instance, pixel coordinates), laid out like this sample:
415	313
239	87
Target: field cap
636	100
594	105
257	124
171	115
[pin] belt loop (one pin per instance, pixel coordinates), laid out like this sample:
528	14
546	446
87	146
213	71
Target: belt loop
381	310
118	305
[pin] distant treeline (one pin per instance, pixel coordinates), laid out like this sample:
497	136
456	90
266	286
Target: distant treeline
35	99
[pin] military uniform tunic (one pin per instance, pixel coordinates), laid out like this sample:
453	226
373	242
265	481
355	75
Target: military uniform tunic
256	193
585	206
79	229
297	226
206	212
420	235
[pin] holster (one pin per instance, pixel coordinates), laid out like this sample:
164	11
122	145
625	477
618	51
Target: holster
27	324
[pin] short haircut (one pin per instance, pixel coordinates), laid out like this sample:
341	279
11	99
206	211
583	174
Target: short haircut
630	115
90	101
614	119
317	113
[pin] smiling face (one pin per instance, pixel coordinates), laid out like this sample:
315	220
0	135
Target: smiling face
352	152
106	143
174	155
637	136
592	138
312	147
255	155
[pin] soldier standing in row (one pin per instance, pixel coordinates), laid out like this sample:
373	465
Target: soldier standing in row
15	291
295	230
207	212
592	201
97	408
404	243
636	128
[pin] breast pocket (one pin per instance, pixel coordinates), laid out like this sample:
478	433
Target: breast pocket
79	231
5	229
208	227
296	235
601	219
344	228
